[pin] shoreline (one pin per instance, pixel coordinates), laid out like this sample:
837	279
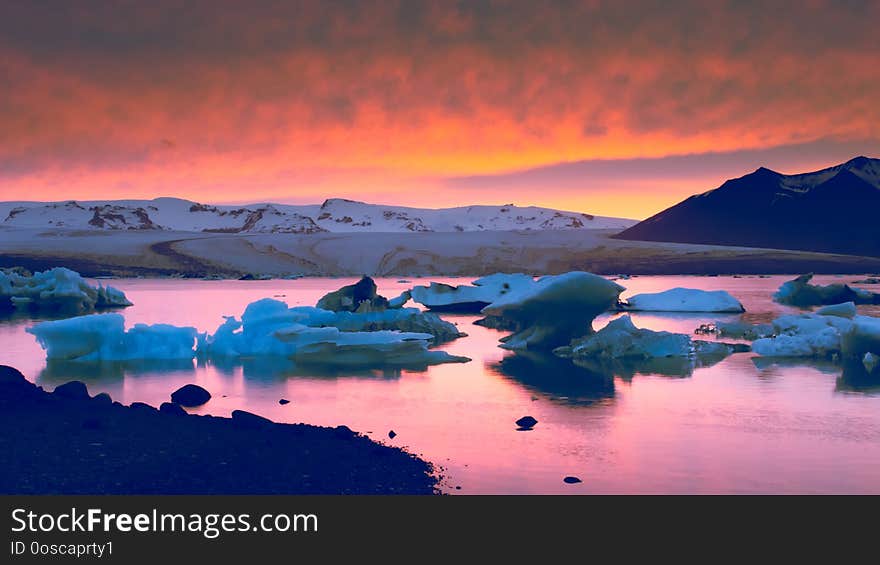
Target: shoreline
198	255
67	442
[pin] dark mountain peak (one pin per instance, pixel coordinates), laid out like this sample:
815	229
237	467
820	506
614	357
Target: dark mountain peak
764	171
859	162
845	184
831	210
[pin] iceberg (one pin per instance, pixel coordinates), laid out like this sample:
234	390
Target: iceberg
268	328
844	310
553	310
464	298
799	292
684	300
621	339
102	337
822	335
57	290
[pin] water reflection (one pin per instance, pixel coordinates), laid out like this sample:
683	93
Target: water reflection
263	369
557	378
855	378
107	372
271	368
770	365
627	368
852	377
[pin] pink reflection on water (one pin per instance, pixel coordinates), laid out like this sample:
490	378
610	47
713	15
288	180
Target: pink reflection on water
732	427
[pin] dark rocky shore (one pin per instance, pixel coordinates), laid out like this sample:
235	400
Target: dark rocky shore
67	442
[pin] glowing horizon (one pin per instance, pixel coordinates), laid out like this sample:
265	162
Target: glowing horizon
430	104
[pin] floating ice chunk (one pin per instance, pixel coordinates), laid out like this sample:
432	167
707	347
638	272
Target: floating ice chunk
684	300
789	345
554	310
799	292
399	301
844	310
621	338
816	335
623	348
56	290
313	335
465	298
103	337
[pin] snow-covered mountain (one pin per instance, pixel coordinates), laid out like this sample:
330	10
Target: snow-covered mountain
830	210
334	215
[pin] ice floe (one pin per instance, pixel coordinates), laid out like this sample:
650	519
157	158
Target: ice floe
469	298
684	300
102	337
799	292
822	335
56	290
620	338
553	310
395	337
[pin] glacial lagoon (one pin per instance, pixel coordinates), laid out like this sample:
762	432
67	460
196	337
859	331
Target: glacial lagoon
743	425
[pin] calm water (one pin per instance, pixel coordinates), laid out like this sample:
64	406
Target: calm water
735	427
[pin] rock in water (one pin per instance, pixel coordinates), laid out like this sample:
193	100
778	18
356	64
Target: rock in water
392	435
572	480
190	395
74	390
358	297
526	423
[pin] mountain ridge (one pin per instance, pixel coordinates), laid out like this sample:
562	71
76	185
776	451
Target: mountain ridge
333	215
828	210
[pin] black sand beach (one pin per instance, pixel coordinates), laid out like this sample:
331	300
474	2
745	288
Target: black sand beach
67	442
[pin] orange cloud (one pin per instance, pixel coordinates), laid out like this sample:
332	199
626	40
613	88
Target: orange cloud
384	99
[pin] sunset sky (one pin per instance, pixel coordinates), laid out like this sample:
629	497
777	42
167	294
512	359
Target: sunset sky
615	108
